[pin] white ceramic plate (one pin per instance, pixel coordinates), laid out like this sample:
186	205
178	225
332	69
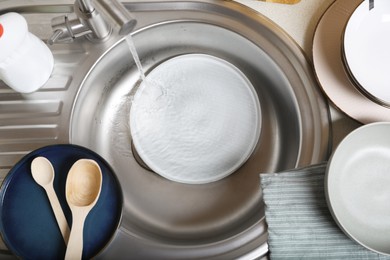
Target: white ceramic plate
196	119
366	49
358	186
331	72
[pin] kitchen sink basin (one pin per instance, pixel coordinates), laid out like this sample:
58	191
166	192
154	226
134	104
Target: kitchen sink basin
87	102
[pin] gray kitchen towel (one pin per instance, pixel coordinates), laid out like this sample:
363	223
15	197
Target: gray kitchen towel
300	225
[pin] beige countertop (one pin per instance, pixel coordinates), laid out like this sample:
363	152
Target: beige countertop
300	21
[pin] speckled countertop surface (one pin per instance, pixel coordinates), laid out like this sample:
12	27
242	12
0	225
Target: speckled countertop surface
298	20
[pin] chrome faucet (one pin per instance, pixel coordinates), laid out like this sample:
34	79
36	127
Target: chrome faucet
93	19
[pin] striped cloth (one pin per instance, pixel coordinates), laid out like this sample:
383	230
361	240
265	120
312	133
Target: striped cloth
300	225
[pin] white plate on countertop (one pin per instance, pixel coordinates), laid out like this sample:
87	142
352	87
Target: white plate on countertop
331	72
358	186
366	49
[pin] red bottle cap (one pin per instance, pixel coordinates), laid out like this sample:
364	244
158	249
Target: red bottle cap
1	30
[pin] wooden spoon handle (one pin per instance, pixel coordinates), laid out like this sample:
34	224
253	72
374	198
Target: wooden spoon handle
74	250
58	213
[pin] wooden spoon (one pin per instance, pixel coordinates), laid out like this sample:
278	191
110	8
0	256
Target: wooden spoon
43	173
83	186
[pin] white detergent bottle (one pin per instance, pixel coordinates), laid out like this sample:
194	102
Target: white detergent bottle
26	63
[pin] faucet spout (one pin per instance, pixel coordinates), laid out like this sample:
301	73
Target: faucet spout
117	14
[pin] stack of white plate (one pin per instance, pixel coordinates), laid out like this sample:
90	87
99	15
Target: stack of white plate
366	49
351	57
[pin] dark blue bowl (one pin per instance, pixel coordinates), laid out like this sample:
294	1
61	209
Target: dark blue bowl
27	222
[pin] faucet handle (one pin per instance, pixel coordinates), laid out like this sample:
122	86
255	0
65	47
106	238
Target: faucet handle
55	37
66	28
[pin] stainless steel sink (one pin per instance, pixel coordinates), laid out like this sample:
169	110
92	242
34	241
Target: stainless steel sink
87	102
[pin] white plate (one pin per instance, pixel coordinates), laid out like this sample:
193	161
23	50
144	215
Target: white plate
331	72
196	119
358	186
366	49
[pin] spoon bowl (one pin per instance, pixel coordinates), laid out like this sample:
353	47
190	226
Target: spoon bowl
83	186
83	189
42	171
